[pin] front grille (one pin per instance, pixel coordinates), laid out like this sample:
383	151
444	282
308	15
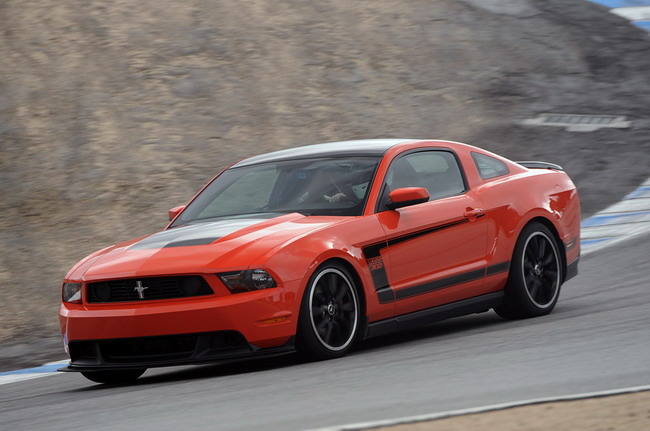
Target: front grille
159	348
133	349
151	288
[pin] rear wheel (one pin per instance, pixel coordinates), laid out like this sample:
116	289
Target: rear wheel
329	315
533	285
113	377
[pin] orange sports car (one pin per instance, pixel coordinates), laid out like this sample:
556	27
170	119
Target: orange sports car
315	248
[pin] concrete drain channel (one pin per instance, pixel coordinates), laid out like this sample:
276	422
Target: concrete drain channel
580	122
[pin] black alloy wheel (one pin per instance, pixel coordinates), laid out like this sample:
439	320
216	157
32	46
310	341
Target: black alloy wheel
535	277
329	318
541	269
114	377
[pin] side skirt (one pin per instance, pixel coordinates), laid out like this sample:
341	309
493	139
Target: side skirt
420	318
571	270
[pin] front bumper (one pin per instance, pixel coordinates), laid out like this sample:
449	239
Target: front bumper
164	351
263	319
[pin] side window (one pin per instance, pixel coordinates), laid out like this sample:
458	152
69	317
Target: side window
489	167
436	171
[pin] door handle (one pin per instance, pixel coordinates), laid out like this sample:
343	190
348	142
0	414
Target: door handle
473	213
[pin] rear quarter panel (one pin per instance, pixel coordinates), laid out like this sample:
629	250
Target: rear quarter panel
513	201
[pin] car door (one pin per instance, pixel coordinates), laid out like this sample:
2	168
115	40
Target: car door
435	251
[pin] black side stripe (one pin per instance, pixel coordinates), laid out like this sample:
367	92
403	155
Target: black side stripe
372	254
386	294
499	267
377	270
433	229
440	284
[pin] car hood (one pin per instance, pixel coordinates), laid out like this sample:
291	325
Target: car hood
226	244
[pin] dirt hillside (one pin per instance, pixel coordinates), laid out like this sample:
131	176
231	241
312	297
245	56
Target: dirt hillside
111	112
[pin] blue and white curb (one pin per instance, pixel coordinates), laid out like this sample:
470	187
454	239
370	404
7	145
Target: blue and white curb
48	369
637	11
623	220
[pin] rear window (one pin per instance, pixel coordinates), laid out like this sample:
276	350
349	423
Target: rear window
489	167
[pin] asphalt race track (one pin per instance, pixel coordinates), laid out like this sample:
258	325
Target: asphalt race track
598	338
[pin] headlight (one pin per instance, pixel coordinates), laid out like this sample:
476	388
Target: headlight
247	281
72	293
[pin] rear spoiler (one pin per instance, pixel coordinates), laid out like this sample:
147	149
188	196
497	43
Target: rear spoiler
540	165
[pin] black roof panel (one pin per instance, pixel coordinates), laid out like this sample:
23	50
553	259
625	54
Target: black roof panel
366	147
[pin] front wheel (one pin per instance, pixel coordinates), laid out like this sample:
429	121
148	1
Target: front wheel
535	277
114	377
329	314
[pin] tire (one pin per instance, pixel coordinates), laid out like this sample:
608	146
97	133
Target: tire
533	285
114	377
330	314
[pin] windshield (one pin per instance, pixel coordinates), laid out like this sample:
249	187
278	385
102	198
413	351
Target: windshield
323	186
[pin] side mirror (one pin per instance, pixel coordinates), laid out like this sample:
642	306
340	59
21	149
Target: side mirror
175	211
406	196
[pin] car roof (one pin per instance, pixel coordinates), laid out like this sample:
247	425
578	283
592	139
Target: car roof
365	147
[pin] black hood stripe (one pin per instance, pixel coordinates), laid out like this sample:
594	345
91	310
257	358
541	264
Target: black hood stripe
197	241
197	234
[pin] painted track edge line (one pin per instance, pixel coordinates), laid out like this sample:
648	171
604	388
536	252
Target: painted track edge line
482	409
47	369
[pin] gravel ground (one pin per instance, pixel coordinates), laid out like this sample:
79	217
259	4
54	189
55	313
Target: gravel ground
629	412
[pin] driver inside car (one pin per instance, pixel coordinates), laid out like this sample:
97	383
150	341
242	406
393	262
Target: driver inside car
352	190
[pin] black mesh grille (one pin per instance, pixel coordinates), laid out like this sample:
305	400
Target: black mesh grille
151	288
134	349
159	348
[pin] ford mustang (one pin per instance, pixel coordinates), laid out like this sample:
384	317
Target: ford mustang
315	248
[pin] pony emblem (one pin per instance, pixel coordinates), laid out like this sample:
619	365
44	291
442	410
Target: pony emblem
140	289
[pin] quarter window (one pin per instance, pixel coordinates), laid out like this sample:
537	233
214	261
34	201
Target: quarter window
489	167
